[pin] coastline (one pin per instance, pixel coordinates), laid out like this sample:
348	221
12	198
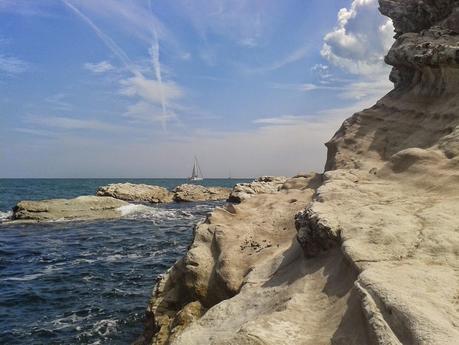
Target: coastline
371	256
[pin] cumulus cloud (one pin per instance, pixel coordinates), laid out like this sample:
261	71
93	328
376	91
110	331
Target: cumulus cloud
360	40
99	67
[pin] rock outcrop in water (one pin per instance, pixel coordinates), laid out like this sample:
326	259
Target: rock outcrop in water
136	193
375	257
81	208
194	192
144	193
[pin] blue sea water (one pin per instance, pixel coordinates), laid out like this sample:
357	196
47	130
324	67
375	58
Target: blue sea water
86	282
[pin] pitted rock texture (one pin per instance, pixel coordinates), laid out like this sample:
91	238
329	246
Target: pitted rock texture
194	192
136	193
391	188
81	208
375	258
261	185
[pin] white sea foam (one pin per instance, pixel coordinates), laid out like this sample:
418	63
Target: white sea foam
24	278
133	211
5	215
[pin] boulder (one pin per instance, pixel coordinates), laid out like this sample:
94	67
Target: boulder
136	193
81	208
194	192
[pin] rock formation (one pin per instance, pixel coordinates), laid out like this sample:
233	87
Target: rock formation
81	208
136	193
194	192
375	257
265	184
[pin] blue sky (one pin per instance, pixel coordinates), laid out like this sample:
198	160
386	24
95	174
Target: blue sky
116	88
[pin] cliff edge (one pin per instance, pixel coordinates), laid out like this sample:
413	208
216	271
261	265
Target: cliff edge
366	253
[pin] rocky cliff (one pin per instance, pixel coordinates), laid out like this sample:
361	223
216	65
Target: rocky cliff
372	258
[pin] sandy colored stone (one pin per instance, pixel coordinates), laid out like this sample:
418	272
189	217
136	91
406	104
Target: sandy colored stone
195	192
372	256
264	184
81	208
136	193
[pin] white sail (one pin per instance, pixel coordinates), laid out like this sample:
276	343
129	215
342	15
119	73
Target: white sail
196	174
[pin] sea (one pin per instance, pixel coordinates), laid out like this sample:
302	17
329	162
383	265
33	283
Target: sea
87	282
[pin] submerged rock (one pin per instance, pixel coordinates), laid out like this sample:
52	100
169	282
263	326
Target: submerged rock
81	208
194	192
136	193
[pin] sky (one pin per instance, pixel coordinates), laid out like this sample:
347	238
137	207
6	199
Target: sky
117	88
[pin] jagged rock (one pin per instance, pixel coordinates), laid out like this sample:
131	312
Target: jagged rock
193	192
81	208
264	184
136	193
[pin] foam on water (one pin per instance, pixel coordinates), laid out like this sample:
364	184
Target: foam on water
138	211
85	282
5	215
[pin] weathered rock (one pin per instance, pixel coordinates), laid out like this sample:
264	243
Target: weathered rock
377	256
194	192
136	193
264	184
81	208
242	251
390	196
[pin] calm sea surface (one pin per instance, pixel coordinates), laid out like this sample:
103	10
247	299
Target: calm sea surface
86	282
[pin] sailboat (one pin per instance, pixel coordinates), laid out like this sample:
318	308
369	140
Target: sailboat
196	174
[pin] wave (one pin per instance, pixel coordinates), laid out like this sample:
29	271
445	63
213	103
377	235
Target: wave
135	211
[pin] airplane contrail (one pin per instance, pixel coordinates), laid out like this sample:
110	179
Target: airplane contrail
105	39
154	53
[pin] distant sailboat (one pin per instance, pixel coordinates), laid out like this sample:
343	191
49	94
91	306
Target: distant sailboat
196	174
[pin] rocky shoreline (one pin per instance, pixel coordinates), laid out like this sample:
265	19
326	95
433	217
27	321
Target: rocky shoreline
366	253
110	202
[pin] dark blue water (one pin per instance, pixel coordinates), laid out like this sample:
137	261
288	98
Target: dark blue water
86	282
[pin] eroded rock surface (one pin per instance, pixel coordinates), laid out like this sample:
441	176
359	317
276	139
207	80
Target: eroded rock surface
194	192
136	193
374	257
81	208
261	185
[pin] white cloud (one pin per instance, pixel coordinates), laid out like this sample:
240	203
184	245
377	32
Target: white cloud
147	112
70	123
99	67
360	40
290	58
58	102
150	90
348	90
284	120
12	65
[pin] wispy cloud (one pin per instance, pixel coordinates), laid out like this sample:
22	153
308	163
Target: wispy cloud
149	93
290	58
12	65
348	90
70	123
57	102
283	120
99	67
